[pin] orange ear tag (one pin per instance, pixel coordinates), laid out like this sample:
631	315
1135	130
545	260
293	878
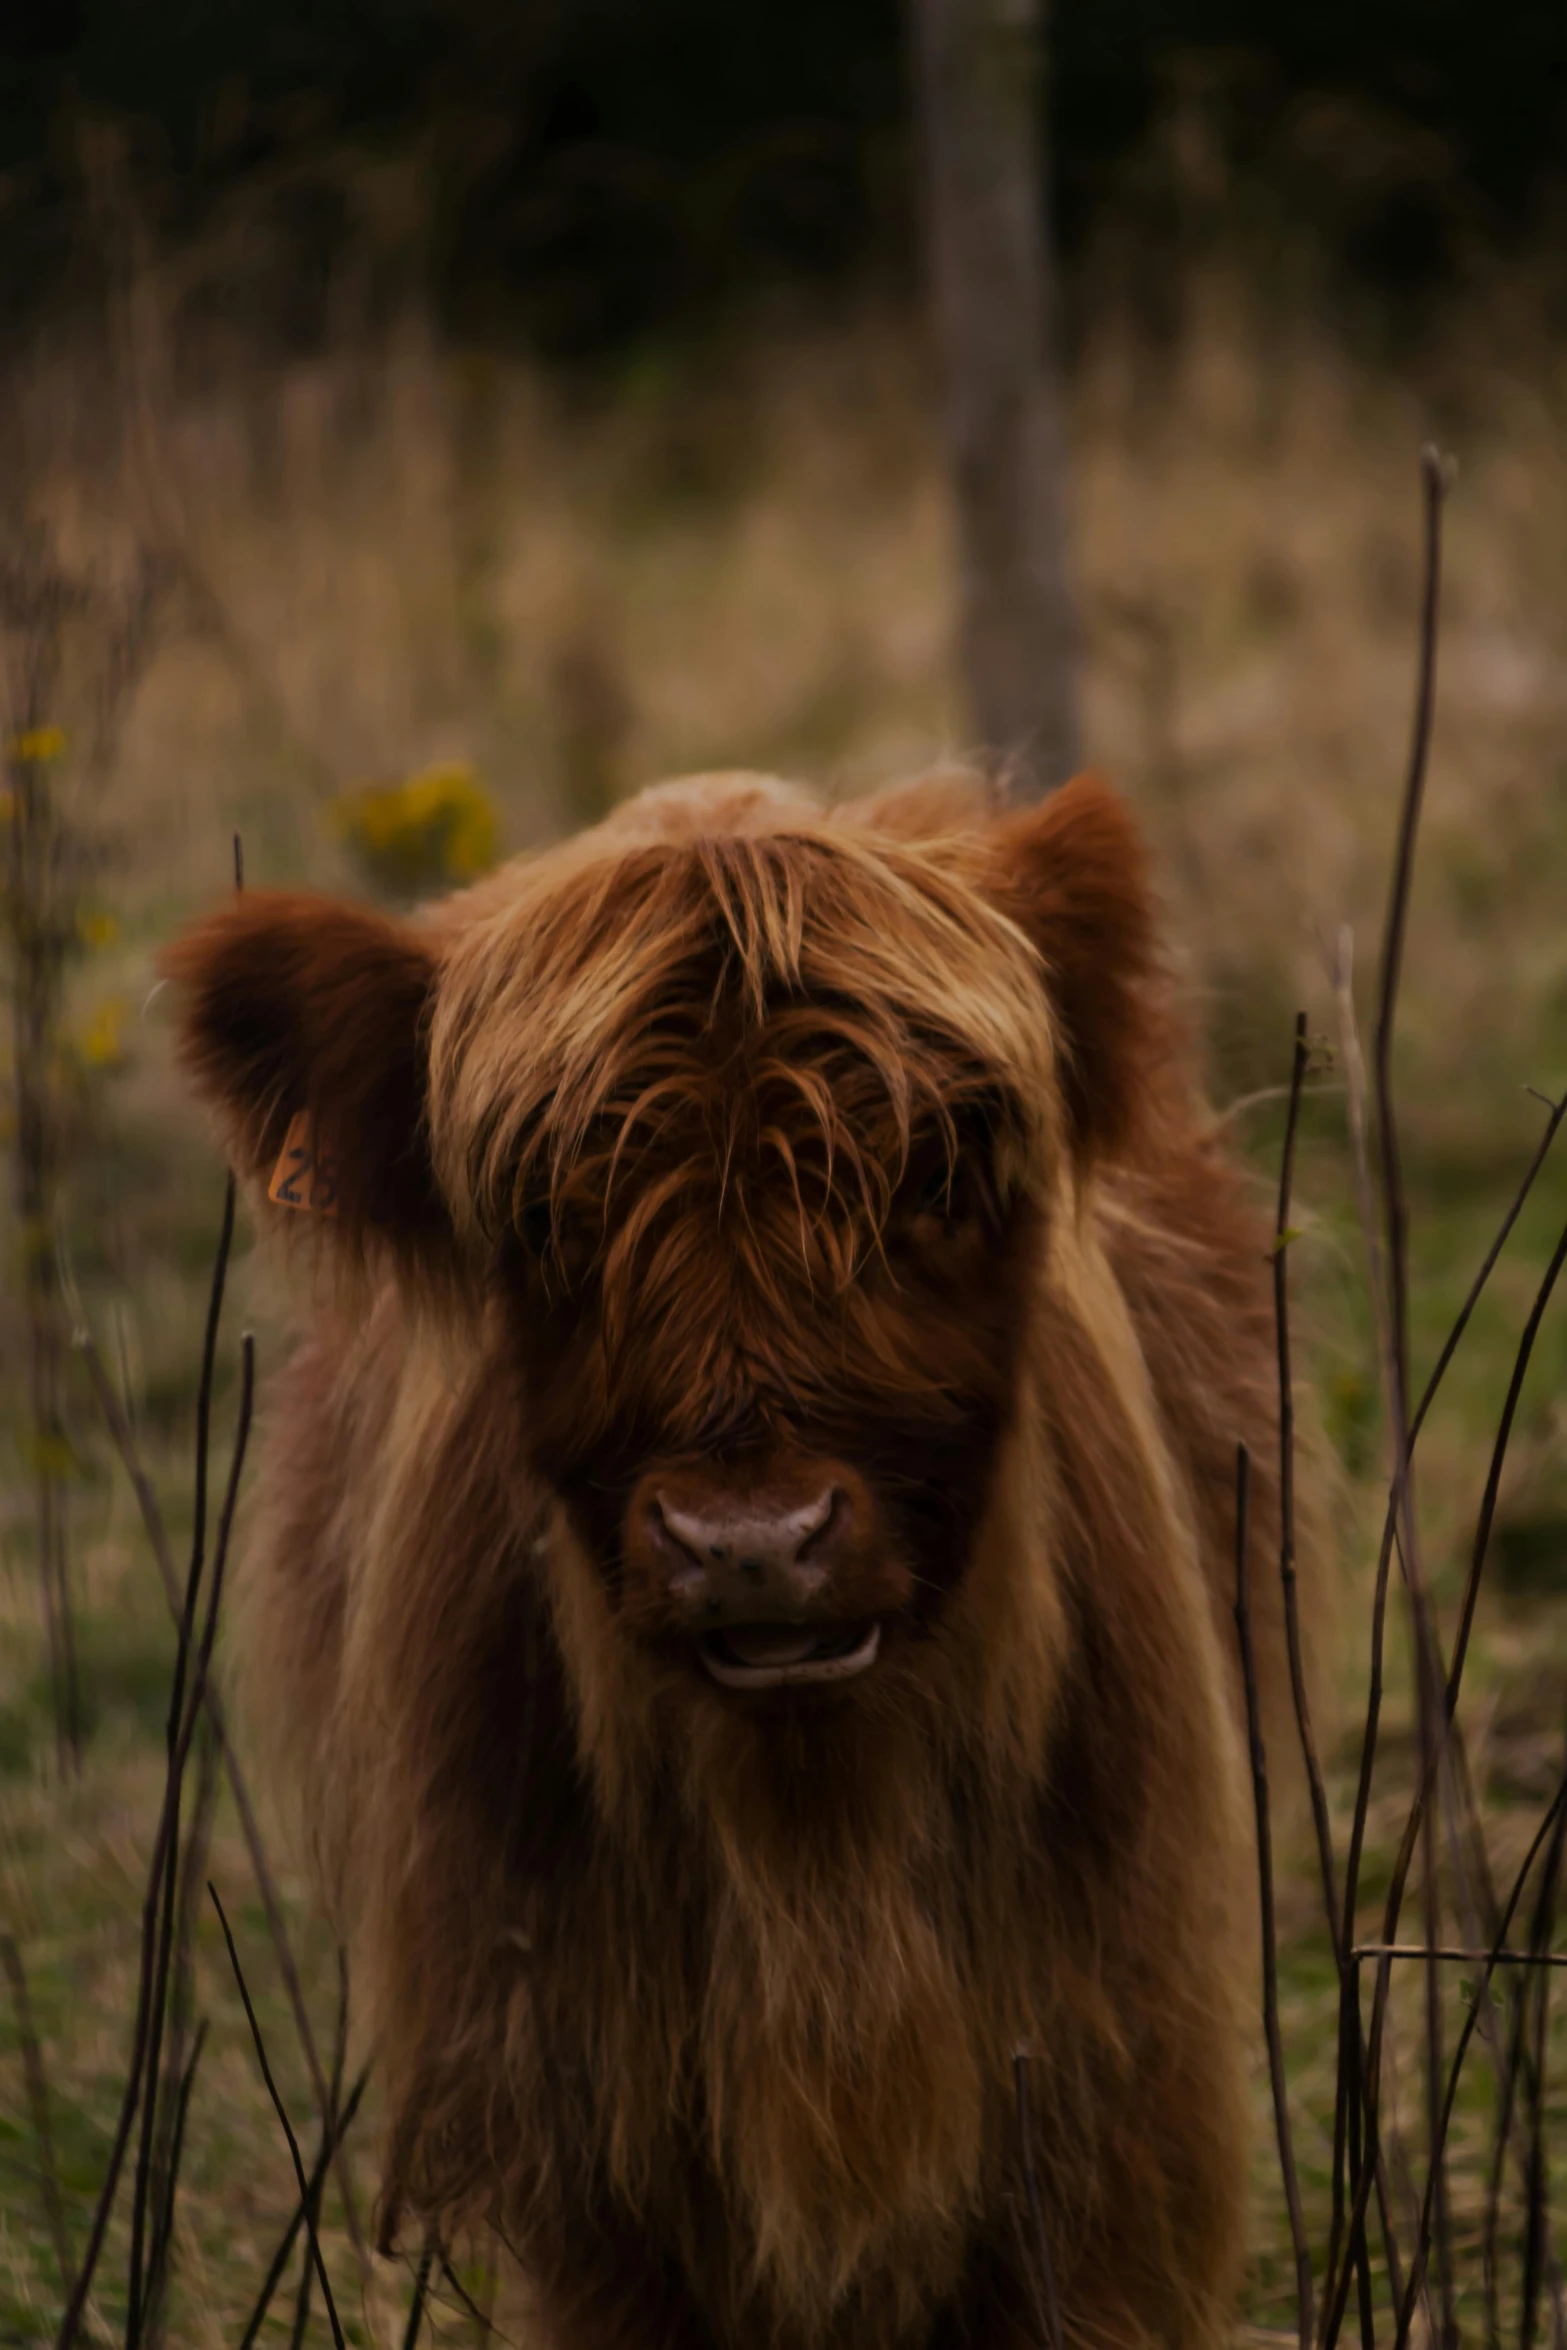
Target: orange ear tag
301	1178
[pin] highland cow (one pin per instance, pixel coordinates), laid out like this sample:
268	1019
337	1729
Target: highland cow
741	1588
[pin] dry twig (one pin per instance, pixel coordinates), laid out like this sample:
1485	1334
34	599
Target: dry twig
281	2111
1270	1952
169	2182
312	2200
125	1444
328	2132
1281	1325
421	2288
1395	1349
148	1967
174	1733
1550	1825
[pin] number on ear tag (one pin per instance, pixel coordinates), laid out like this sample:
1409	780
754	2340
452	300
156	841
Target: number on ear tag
303	1177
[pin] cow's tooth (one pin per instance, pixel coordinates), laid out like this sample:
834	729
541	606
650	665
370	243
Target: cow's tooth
769	1644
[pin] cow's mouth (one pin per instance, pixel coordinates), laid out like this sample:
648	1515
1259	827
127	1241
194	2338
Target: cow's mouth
781	1656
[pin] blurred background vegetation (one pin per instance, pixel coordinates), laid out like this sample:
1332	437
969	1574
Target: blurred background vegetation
422	423
576	180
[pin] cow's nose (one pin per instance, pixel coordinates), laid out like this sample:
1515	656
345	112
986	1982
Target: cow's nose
739	1561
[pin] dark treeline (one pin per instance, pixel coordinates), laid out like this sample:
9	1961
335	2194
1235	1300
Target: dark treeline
577	173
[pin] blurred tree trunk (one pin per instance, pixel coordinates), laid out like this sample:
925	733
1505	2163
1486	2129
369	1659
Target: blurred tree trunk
980	70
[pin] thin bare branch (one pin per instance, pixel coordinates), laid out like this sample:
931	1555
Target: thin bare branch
328	2128
284	2252
1486	1958
1489	1960
163	2232
1270	1954
1347	2120
1450	1345
1434	477
141	2194
281	2110
1281	1325
126	1446
485	2329
421	2288
1493	1480
1537	1988
174	2090
147	1969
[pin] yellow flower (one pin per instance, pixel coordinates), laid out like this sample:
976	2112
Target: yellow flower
100	1042
97	929
42	743
435	829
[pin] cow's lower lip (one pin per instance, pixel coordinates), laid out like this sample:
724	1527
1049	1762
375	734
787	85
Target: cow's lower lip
784	1656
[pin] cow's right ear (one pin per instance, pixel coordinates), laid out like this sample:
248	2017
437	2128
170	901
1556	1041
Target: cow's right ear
1072	875
291	1005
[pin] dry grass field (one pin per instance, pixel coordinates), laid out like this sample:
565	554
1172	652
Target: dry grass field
395	557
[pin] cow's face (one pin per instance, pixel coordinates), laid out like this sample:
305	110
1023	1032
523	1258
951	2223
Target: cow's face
733	1134
765	1331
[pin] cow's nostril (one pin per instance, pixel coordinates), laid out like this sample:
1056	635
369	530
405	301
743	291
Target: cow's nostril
668	1529
819	1534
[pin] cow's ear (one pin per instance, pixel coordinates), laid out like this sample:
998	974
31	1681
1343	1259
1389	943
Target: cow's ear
1071	873
293	1007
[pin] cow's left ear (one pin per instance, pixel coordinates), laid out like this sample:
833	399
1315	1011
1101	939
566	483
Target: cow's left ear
1071	873
295	1007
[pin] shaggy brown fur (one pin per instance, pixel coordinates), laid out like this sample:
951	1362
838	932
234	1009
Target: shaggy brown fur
736	1153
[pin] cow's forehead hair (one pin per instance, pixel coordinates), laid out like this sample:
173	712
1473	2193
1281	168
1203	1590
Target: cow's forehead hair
584	987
